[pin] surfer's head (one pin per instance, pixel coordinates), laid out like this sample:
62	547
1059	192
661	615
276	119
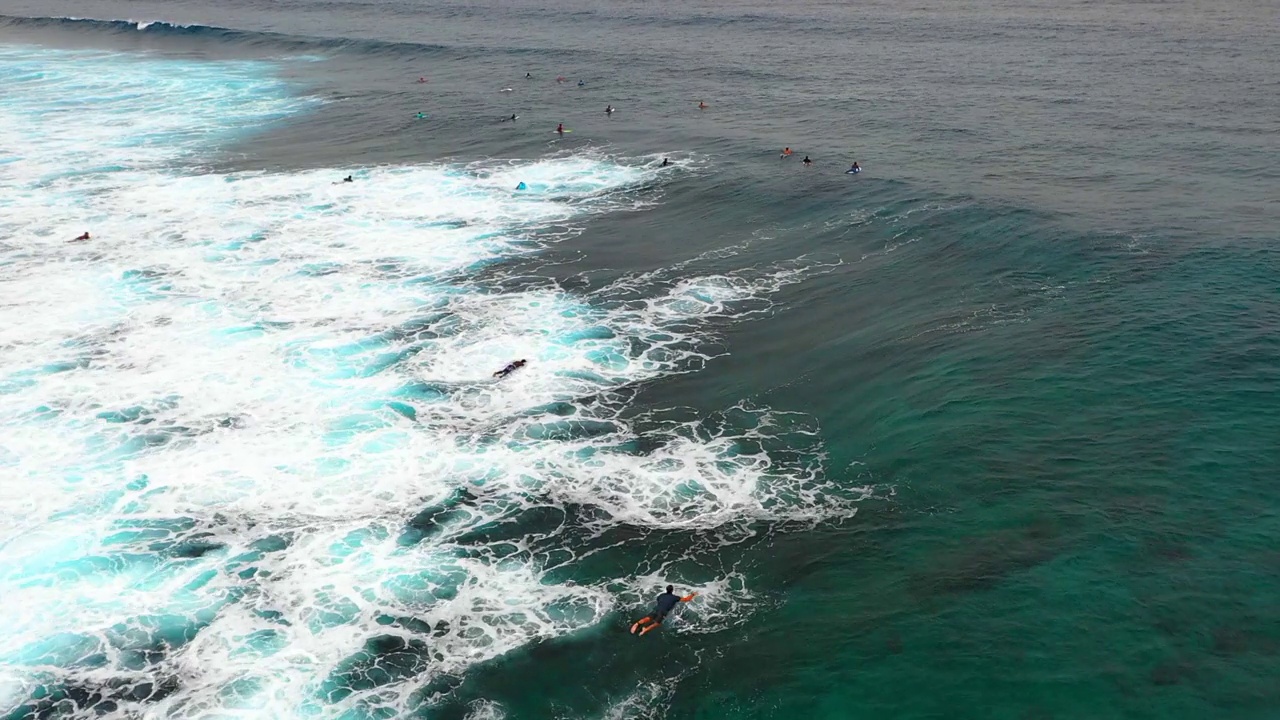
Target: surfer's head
671	588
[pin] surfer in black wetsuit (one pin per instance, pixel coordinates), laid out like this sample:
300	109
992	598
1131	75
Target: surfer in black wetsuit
82	237
528	76
807	162
348	178
665	604
665	162
510	368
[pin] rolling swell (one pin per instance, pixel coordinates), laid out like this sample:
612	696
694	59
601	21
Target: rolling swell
210	33
160	30
450	518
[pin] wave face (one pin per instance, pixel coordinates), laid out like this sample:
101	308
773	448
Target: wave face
195	32
256	462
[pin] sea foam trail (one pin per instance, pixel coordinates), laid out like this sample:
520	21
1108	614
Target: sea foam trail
253	454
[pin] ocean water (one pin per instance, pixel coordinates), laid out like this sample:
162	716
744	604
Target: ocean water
987	431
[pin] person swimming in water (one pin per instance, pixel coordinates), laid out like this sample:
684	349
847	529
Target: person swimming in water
786	153
702	105
510	368
807	162
421	80
665	162
85	236
667	602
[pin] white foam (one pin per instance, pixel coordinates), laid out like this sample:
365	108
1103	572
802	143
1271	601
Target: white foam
238	394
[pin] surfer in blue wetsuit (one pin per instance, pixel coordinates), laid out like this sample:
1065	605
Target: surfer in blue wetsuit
667	602
854	170
522	186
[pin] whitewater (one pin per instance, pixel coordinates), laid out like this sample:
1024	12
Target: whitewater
254	462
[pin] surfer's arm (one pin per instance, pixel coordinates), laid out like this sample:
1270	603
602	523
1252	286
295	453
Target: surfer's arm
689	597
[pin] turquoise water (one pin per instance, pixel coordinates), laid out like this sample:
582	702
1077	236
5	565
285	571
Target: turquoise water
986	431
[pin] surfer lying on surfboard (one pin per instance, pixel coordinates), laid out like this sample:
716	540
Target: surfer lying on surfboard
511	366
666	603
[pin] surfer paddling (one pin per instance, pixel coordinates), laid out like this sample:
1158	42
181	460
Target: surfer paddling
511	366
667	602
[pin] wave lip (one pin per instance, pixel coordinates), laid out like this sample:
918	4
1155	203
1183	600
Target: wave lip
195	31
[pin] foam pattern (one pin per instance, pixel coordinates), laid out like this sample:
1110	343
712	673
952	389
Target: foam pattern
254	461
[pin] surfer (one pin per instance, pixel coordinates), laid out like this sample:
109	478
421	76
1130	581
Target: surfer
560	79
528	76
522	186
422	116
421	80
807	162
786	153
608	109
349	178
581	83
666	603
665	162
560	128
855	169
85	236
511	366
510	119
702	105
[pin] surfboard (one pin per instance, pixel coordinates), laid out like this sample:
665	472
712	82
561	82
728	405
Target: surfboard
561	132
852	172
